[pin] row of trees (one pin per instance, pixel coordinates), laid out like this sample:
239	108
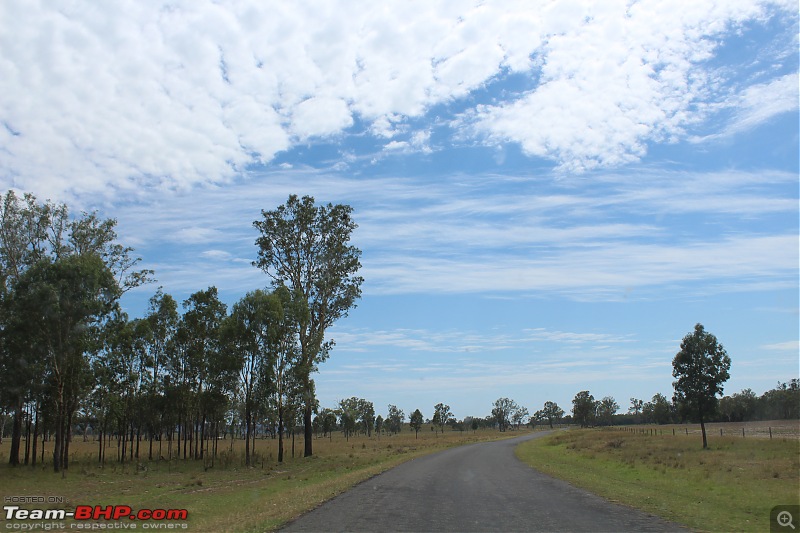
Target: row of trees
68	352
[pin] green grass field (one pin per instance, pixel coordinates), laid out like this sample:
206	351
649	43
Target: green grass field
729	487
227	497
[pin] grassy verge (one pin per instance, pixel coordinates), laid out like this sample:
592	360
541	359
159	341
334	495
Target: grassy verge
227	497
729	487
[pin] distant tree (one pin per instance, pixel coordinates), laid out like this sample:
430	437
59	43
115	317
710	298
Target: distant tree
519	415
658	410
701	367
327	421
502	412
782	402
307	248
395	418
348	413
551	412
378	425
584	409
636	407
740	407
416	422
441	415
366	413
606	409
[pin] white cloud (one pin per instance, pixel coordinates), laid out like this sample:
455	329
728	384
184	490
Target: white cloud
758	104
117	98
613	79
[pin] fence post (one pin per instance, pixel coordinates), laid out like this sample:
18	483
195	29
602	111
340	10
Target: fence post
720	432
742	432
673	432
770	432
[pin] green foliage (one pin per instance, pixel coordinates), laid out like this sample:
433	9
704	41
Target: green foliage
394	420
550	412
441	415
416	421
606	408
701	367
584	409
307	248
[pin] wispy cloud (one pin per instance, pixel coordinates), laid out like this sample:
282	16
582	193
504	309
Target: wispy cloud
614	237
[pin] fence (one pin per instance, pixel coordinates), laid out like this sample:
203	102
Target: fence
781	429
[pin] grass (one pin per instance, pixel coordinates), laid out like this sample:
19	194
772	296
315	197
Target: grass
729	487
229	496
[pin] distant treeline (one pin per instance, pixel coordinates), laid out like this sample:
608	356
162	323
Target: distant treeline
780	403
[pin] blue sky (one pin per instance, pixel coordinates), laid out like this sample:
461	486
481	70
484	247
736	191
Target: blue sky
549	195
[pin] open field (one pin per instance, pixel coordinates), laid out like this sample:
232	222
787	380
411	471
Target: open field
228	497
729	487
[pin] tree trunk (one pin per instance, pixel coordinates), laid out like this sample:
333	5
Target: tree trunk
703	428
16	436
35	436
308	433
280	435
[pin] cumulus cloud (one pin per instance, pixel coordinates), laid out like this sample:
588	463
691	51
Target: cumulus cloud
616	78
110	98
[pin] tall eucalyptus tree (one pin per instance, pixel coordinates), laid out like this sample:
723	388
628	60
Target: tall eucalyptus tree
307	248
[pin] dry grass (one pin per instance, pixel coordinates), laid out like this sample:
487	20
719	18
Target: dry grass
228	497
729	487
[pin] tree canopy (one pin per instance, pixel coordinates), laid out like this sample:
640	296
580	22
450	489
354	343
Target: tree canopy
701	368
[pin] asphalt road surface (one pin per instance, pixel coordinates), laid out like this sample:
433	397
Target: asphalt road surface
479	487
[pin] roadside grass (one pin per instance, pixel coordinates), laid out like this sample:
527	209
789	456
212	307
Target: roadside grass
729	487
227	496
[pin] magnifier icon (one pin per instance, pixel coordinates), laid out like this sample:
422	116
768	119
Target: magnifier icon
785	519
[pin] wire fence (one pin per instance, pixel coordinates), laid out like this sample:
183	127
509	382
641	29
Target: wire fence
773	429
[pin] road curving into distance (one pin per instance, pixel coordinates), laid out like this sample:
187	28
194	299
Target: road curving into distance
478	487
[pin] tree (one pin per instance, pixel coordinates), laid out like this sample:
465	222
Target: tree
503	411
701	367
441	415
366	414
348	413
584	409
31	232
636	408
163	319
416	422
249	334
518	416
551	412
56	310
606	409
658	410
210	370
394	420
306	248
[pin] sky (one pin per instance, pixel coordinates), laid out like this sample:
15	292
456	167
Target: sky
549	195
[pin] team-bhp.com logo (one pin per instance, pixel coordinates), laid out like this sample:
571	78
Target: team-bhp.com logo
151	518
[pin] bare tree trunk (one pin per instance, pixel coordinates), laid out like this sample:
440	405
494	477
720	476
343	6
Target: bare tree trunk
16	436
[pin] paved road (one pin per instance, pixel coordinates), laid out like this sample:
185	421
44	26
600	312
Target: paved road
479	487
